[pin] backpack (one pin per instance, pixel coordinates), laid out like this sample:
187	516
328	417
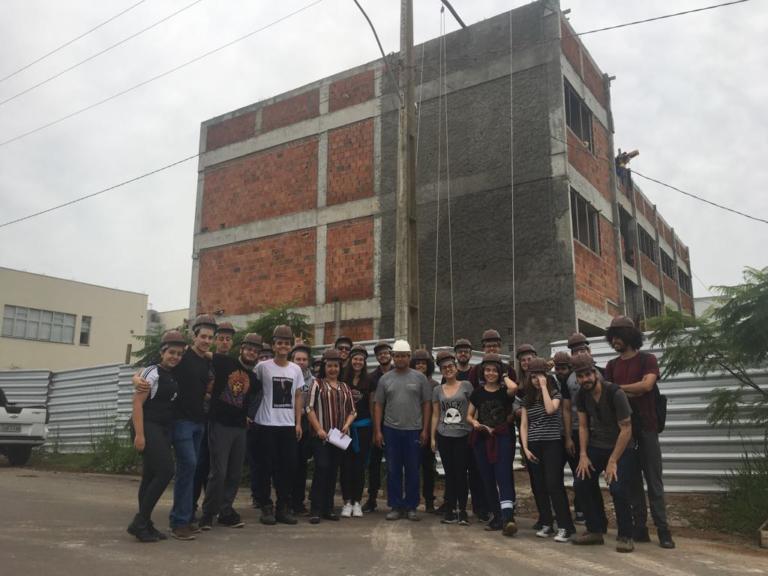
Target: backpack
660	401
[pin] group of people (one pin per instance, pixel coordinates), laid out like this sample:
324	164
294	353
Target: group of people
276	407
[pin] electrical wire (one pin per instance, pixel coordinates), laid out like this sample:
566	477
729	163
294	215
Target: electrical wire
158	76
69	42
99	53
664	17
99	192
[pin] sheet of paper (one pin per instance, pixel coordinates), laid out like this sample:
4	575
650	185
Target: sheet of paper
338	439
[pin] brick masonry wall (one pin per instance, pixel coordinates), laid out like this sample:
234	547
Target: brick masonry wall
570	47
350	163
670	287
594	81
596	279
251	276
351	90
271	183
230	131
582	63
686	303
349	260
649	270
592	166
291	110
358	330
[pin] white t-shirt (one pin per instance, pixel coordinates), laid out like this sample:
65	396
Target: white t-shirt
278	385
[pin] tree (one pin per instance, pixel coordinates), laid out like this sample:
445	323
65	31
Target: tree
150	352
265	325
733	338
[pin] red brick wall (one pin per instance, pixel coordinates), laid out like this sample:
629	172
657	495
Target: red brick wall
250	276
350	162
649	270
271	183
291	110
230	131
596	278
670	286
358	330
570	46
352	90
592	166
349	260
594	81
686	303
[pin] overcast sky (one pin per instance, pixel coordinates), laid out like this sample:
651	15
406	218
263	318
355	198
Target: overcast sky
690	93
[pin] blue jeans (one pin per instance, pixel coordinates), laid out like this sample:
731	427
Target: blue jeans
187	436
403	451
497	477
588	490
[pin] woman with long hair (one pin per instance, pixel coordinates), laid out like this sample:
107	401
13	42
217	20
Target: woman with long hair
542	441
355	458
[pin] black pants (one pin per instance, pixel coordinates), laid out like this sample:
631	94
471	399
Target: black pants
374	472
327	461
251	454
276	463
548	486
202	470
453	454
476	486
158	467
573	462
353	467
303	454
428	473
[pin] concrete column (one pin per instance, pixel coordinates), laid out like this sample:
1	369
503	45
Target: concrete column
663	298
320	257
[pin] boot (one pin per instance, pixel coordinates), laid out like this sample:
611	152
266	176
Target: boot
140	529
284	516
268	515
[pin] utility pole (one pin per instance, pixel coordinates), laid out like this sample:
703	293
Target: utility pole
406	239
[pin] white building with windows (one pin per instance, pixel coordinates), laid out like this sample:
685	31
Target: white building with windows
56	324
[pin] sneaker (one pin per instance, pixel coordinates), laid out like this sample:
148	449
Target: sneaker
370	505
483	516
545	532
206	522
509	526
346	510
640	534
182	533
587	539
624	545
463	518
665	539
194	527
357	510
442	509
268	515
537	525
156	532
314	517
494	524
449	518
231	520
412	516
563	535
140	529
579	518
285	517
394	514
332	516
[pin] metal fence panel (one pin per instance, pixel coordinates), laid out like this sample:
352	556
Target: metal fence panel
25	386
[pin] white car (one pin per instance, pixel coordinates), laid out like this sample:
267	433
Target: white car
21	429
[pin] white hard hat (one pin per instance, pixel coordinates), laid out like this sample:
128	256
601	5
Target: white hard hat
401	346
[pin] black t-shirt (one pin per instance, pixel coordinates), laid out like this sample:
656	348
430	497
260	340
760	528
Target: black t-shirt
491	408
361	397
234	387
193	374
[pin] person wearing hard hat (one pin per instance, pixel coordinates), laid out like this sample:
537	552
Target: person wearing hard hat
383	352
401	425
491	343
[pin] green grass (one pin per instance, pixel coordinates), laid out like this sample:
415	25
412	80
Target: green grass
745	506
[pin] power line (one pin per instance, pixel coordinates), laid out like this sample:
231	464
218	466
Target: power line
700	199
62	46
661	17
157	77
100	52
99	192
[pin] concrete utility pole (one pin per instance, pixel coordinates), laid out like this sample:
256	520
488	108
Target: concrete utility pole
406	239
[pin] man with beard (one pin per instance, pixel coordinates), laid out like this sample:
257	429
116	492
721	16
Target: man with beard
605	434
637	372
233	390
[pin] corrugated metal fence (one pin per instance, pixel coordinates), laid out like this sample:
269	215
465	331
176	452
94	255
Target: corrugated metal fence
88	403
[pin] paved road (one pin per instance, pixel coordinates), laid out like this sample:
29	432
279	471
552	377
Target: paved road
74	525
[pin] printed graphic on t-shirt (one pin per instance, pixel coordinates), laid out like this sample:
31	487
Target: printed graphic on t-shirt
281	392
237	387
492	413
452	412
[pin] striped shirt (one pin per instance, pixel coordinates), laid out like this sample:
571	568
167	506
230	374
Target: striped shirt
543	426
331	405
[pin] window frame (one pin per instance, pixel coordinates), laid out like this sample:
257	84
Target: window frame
583	212
581	125
38	325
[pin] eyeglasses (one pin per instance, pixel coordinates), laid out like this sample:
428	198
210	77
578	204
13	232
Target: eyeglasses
447	365
344	348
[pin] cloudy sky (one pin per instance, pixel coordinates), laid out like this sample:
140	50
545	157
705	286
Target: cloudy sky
687	94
